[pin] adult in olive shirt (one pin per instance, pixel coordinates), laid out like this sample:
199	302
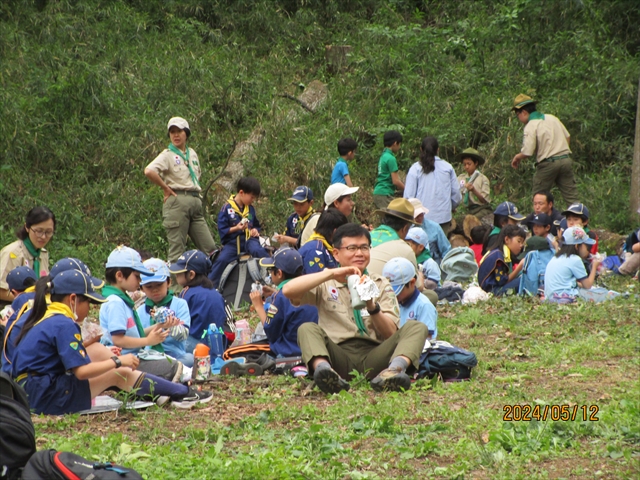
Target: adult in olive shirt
388	179
177	171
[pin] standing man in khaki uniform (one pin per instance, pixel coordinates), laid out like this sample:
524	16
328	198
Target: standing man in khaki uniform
548	138
347	339
177	171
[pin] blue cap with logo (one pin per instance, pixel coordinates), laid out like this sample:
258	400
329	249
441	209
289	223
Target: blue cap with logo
71	263
577	209
418	235
576	236
127	257
16	278
160	271
301	194
508	209
540	219
75	281
286	259
399	271
192	260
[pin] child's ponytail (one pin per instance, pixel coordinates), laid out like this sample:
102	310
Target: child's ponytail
43	287
428	151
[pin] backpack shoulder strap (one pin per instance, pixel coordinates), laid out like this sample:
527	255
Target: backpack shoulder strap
225	274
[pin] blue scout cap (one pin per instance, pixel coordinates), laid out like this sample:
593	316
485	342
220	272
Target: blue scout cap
301	194
562	224
160	271
576	236
127	257
17	277
192	260
577	209
286	259
70	263
75	281
418	235
508	209
399	271
540	219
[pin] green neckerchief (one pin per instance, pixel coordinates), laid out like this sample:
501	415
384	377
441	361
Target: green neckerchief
536	116
383	231
362	329
495	231
184	157
466	195
424	256
283	283
111	290
162	303
35	253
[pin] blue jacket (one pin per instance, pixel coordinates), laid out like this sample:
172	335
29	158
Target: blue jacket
230	217
493	271
282	323
206	306
316	257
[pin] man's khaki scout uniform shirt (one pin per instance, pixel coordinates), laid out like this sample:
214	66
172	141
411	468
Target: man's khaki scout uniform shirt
548	137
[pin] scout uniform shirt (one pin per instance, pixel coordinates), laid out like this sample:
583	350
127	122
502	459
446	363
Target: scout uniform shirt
546	135
480	184
316	256
16	255
336	316
296	223
175	172
230	216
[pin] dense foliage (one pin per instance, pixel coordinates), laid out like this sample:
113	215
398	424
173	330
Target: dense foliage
86	88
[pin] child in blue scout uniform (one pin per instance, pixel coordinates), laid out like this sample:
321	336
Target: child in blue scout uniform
206	305
317	252
239	227
347	151
21	282
302	200
566	277
505	214
496	273
577	215
540	226
156	289
419	243
58	373
120	320
281	320
413	306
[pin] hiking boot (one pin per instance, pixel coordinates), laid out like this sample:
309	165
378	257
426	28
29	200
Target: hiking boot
192	397
237	369
328	380
393	380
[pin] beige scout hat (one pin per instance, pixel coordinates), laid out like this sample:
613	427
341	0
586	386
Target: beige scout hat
522	100
179	122
470	153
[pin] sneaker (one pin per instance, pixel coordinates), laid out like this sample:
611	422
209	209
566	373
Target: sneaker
192	397
328	380
237	369
391	380
162	400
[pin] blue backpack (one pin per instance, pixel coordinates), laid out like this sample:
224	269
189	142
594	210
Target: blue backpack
532	278
451	362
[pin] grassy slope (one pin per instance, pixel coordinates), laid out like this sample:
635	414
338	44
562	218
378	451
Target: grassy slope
87	87
528	354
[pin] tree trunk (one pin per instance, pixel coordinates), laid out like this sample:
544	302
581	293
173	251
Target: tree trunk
634	191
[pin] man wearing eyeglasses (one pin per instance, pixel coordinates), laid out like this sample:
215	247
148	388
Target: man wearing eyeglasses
345	339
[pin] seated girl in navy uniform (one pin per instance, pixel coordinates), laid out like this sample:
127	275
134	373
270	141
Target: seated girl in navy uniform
317	253
281	319
206	305
238	227
496	273
60	374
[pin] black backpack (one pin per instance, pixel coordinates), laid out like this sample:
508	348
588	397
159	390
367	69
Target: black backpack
237	277
450	362
54	465
17	435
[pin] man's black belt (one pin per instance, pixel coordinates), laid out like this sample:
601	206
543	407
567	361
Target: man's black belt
193	193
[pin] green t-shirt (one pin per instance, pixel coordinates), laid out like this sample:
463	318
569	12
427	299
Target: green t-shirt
386	166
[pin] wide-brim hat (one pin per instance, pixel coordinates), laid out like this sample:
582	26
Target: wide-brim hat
470	153
418	208
75	281
522	100
400	208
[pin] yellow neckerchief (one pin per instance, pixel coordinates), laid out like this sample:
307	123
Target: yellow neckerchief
30	289
26	306
507	257
317	236
56	308
303	220
244	214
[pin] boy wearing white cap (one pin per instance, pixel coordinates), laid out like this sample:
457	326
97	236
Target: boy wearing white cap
177	171
413	306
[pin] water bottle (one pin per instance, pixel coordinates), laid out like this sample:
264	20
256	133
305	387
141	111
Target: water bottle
216	342
243	332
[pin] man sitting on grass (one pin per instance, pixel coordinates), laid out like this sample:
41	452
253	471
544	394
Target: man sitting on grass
345	339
